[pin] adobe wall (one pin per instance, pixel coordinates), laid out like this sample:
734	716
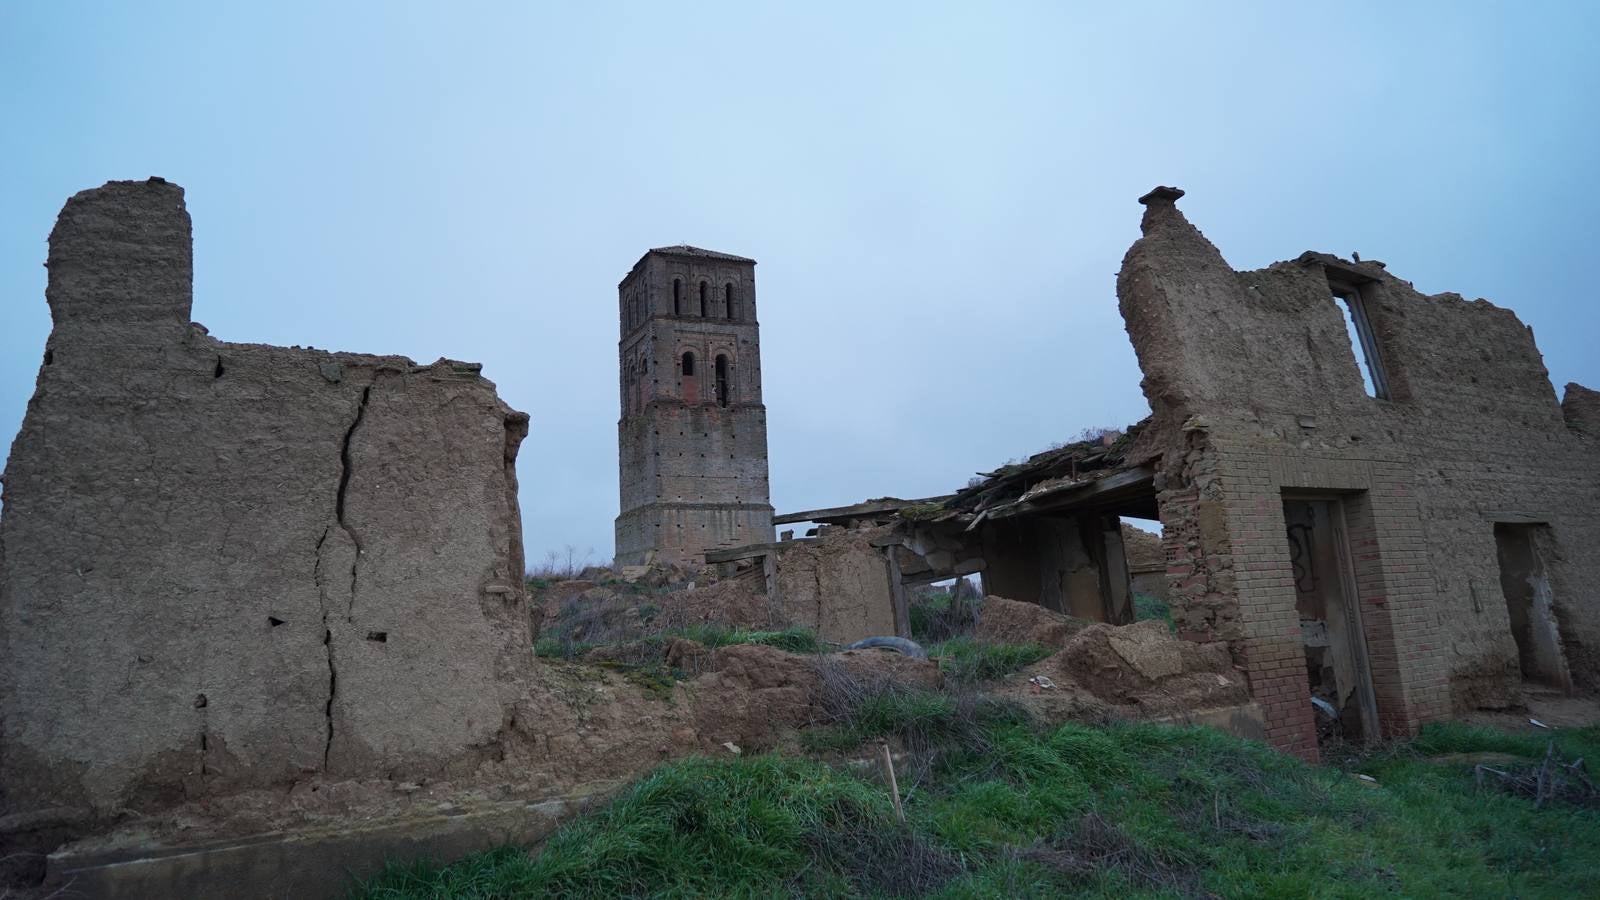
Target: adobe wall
837	586
226	566
1256	390
1147	566
1071	565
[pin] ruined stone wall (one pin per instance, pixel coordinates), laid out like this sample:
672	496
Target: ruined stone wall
693	458
1256	390
225	565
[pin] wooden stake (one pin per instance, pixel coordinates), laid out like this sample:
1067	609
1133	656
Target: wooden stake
894	785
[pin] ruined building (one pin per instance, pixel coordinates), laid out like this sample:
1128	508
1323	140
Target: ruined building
1370	495
692	438
1405	524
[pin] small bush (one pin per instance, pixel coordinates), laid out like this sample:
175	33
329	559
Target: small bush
941	615
1147	607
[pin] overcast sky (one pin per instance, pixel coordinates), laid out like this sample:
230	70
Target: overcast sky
939	196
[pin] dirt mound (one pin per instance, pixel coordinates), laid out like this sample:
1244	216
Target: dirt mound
737	602
877	667
758	697
1142	670
1002	621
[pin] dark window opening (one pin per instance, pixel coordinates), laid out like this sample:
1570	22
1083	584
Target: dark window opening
677	297
1363	341
49	357
688	364
722	380
705	303
217	372
727	296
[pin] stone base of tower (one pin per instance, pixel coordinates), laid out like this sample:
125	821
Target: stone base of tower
683	532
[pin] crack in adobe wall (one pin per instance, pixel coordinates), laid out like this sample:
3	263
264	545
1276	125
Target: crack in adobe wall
327	645
345	468
339	503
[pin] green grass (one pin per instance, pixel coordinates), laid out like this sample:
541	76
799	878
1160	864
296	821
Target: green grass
965	659
917	718
940	616
794	640
555	648
1006	810
1147	607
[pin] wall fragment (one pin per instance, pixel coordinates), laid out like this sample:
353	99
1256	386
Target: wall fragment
233	565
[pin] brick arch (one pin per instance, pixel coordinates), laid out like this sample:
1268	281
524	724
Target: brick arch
689	383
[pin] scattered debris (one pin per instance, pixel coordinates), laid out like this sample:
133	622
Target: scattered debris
1551	779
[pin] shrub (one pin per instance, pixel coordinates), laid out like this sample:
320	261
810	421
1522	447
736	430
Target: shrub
1147	607
942	615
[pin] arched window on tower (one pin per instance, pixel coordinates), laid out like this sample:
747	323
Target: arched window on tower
705	303
688	364
677	296
727	297
723	387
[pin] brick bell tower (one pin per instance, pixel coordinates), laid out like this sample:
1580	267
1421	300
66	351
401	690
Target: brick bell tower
692	439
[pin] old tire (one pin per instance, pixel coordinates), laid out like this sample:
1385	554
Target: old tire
899	645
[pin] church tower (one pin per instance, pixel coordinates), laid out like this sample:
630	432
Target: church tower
692	438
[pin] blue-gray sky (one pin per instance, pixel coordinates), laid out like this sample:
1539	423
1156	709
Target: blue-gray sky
939	195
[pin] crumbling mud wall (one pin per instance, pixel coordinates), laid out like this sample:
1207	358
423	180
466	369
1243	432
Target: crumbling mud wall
226	566
1147	565
837	586
1070	565
1256	392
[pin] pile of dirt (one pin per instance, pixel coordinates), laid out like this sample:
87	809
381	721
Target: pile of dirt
1142	671
590	613
1002	621
736	602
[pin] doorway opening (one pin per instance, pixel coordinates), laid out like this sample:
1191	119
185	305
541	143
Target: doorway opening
1337	669
1530	603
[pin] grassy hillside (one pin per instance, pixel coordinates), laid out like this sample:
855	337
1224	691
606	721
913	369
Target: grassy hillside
998	808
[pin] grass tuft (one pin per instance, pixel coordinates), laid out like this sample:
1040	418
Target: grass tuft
965	659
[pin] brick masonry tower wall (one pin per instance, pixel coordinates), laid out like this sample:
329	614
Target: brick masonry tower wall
692	437
1256	391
